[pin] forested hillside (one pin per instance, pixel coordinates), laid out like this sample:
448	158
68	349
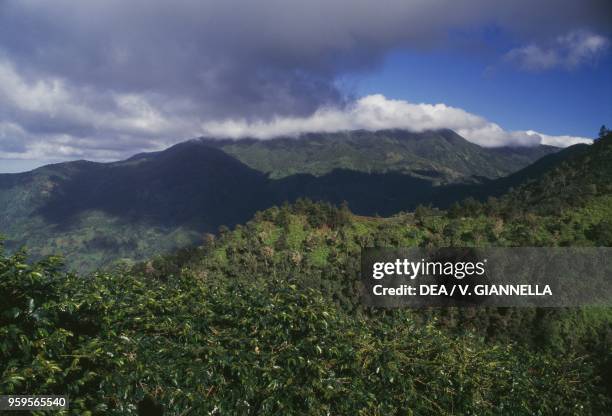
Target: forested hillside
440	155
98	214
266	319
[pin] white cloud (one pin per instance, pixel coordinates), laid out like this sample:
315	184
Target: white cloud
558	141
569	51
48	119
376	112
54	99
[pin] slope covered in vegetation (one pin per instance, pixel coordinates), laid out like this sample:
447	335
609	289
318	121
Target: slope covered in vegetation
440	155
100	213
266	319
207	344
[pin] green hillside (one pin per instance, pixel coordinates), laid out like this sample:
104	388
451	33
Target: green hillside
98	214
265	319
441	155
124	344
580	176
555	185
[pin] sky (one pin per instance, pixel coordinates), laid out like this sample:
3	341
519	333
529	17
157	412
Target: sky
105	79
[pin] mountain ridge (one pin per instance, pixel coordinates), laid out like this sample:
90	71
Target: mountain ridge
398	150
100	212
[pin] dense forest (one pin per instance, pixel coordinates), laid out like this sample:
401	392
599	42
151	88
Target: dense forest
265	318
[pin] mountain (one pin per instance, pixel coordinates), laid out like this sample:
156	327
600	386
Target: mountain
175	187
576	175
440	155
562	198
500	186
564	180
99	213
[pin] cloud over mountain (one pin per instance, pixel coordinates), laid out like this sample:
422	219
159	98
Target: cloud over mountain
376	112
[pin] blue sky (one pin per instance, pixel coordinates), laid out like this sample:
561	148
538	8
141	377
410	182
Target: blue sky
556	101
105	79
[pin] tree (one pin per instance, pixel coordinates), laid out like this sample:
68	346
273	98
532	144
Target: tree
421	213
283	218
601	233
341	216
603	132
